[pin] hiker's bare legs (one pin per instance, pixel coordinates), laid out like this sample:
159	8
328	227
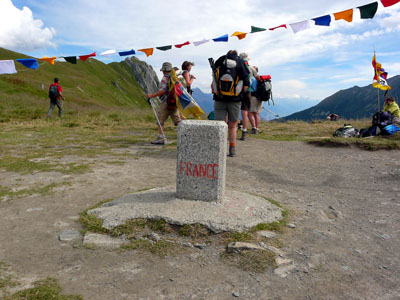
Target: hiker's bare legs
232	132
252	120
245	119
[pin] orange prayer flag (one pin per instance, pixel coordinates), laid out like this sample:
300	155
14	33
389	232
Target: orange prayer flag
50	60
148	51
346	15
240	35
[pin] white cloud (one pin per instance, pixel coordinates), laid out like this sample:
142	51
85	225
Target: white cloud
19	30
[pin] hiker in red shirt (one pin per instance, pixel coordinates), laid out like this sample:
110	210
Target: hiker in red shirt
55	95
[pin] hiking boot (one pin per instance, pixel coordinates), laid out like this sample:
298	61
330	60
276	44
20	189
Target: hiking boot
254	131
159	141
244	134
232	151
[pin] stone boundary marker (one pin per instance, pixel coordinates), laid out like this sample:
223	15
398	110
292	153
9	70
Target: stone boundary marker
201	161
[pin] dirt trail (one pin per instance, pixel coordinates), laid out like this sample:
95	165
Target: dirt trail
344	202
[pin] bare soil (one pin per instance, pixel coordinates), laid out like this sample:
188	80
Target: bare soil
344	203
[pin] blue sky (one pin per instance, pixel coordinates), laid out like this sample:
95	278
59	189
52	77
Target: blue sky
309	65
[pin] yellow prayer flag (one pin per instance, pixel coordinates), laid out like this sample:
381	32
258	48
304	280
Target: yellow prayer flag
240	35
148	51
346	15
50	60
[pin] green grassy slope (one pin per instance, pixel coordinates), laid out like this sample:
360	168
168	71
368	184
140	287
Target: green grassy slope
86	85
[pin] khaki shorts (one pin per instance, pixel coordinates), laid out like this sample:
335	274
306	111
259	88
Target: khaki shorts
222	108
164	113
255	105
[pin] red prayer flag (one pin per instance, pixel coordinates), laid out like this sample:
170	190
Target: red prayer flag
387	3
85	57
181	45
284	26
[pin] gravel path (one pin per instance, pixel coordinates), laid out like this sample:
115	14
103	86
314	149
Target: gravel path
344	205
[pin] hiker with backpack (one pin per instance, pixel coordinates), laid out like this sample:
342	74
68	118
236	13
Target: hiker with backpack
246	100
256	105
230	84
55	95
391	106
166	108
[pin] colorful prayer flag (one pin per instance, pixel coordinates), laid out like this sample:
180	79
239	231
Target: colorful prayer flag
125	53
85	57
181	45
108	52
30	63
380	76
222	38
280	26
387	3
70	59
240	35
184	101
299	26
368	11
50	60
198	43
346	15
323	21
164	48
7	67
148	51
256	29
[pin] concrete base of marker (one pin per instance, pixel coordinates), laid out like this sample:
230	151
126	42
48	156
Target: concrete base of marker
201	160
238	211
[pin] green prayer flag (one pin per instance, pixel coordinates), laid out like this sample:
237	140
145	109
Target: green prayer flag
257	29
368	11
164	48
70	59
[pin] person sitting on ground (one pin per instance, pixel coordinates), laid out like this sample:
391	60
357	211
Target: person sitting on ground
187	77
332	117
391	106
164	111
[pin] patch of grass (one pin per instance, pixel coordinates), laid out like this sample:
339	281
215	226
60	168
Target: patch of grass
130	228
194	231
159	225
160	248
45	190
46	289
251	260
92	223
6	280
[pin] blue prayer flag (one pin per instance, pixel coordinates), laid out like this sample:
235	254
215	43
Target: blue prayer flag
323	21
222	38
30	63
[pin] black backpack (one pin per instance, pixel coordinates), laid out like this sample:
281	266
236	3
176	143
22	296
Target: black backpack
382	118
264	90
347	131
53	92
227	78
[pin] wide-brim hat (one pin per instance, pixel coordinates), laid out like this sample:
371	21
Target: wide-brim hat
167	66
244	56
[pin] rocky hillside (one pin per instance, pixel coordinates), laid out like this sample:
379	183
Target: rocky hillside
353	103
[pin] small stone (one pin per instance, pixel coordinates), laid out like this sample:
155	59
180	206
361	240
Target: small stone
291	225
236	294
101	240
200	246
154	236
239	246
69	235
267	234
385	236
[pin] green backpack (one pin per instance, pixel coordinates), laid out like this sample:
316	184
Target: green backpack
53	92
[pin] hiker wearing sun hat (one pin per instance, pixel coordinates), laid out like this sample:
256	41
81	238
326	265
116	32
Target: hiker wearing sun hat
164	111
246	99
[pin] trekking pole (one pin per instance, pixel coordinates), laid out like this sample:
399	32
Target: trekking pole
275	115
153	103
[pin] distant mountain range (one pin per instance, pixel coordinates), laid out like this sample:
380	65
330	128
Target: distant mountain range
282	107
353	103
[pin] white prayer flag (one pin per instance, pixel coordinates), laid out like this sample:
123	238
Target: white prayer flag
7	67
299	26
